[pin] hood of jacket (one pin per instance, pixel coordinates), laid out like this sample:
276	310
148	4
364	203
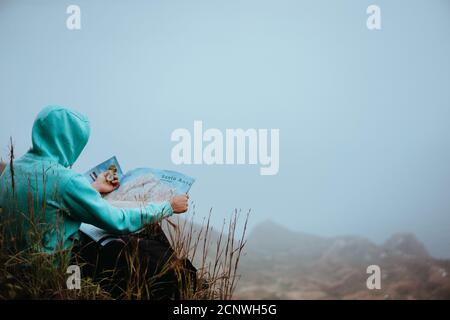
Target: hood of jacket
60	134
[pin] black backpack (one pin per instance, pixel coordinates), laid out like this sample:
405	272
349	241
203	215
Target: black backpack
148	253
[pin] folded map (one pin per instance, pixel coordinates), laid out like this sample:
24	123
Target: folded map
137	188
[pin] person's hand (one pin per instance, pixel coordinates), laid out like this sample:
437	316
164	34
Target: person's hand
102	185
179	203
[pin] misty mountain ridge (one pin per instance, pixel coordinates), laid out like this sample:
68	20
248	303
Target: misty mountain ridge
283	264
271	238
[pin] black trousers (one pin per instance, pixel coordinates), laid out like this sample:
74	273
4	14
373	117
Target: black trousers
143	262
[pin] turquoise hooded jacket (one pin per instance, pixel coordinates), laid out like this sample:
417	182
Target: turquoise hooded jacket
41	194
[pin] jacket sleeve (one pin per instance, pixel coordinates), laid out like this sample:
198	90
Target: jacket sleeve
85	204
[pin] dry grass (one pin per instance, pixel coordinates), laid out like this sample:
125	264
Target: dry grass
216	254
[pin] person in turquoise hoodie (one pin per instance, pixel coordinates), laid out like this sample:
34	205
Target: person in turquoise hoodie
40	192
